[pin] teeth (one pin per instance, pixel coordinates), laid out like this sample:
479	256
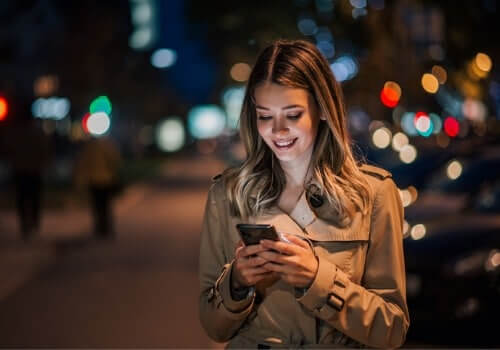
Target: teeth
284	143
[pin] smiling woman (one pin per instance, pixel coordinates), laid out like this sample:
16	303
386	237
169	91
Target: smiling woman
337	276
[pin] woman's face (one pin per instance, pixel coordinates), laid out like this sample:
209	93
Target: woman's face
287	121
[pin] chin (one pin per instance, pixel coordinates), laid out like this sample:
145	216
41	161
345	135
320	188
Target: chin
285	157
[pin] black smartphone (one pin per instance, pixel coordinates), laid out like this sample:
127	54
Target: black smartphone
254	233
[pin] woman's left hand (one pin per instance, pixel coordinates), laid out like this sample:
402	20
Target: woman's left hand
294	262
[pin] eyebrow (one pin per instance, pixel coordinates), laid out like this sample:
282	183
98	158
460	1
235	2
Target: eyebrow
286	107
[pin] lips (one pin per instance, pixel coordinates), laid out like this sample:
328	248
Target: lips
285	144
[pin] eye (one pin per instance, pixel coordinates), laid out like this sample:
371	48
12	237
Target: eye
294	116
265	117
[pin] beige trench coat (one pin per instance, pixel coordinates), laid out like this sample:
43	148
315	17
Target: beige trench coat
358	297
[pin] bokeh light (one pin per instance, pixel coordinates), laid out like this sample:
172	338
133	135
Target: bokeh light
359	4
326	48
358	119
454	170
206	121
418	232
405	197
45	85
51	108
240	71
3	108
232	99
390	94
98	123
430	83
141	38
101	104
399	141
443	140
408	124
406	229
307	26
451	127
163	58
382	138
483	62
474	110
423	124
440	74
437	123
344	68
170	135
408	154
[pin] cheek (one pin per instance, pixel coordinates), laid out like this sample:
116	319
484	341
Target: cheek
306	128
262	129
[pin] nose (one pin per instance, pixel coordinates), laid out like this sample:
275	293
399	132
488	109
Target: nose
280	126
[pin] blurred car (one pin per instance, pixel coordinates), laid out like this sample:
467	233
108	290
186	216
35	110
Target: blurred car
460	184
453	265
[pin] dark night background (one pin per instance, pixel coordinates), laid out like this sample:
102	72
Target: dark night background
63	288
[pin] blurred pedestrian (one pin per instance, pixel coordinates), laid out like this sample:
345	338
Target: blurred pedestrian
337	276
28	150
97	168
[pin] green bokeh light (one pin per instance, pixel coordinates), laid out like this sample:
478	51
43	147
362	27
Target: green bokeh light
101	104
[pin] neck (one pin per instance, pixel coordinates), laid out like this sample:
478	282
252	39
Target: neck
296	170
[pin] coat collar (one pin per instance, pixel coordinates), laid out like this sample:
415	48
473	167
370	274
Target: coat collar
314	217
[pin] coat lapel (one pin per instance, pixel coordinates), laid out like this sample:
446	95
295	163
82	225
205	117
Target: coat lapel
313	217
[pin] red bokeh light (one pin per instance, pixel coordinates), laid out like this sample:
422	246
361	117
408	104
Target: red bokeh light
84	122
451	127
389	97
3	108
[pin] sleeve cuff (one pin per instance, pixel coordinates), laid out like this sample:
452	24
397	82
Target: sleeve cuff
325	297
224	288
315	296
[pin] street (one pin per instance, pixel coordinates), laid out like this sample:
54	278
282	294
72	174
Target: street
66	289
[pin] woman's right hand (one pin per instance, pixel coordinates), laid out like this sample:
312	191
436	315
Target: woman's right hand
247	267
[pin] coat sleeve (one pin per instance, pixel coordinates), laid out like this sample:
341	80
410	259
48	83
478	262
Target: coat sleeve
374	313
220	315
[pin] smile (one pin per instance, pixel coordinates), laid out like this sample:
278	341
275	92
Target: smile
284	144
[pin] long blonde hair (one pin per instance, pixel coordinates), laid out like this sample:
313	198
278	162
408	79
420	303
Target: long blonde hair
257	184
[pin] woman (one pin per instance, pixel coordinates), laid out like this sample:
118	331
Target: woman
340	281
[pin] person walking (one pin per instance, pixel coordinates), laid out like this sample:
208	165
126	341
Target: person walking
97	168
28	151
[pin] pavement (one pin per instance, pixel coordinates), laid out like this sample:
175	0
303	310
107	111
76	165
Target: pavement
148	257
20	260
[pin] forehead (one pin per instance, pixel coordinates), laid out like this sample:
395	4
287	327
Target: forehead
271	95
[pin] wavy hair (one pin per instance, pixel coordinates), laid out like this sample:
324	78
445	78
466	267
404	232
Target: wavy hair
257	184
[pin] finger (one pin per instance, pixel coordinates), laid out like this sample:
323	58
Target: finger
262	276
240	243
252	250
279	268
297	240
255	261
282	247
253	271
272	256
237	252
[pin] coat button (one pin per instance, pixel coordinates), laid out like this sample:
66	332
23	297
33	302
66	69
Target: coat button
210	294
316	200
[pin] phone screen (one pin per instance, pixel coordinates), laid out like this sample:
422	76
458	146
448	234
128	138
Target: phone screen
253	234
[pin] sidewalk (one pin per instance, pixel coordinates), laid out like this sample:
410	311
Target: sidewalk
20	261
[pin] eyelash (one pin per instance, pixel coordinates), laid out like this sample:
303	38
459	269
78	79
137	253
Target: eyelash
291	117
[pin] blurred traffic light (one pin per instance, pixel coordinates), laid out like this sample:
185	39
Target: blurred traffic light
101	104
451	127
390	94
4	108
